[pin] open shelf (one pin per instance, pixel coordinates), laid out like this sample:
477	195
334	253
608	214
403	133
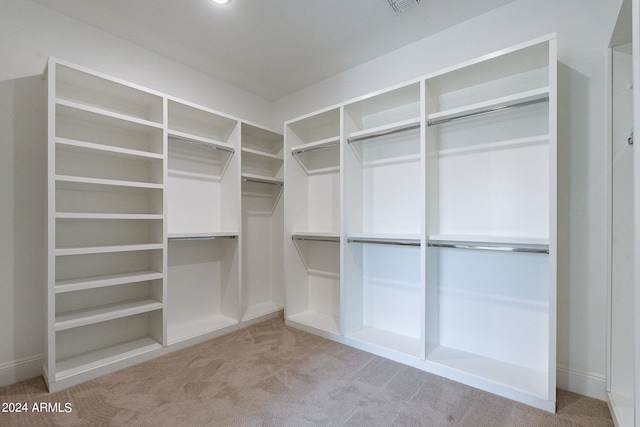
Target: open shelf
388	340
521	378
107	113
104	356
79	318
84	283
106	182
88	147
107	249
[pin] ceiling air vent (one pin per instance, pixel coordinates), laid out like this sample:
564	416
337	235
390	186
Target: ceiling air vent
400	6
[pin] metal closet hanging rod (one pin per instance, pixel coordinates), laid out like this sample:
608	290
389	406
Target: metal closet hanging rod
319	147
187	238
263	181
489	247
315	238
200	144
383	133
490	110
393	242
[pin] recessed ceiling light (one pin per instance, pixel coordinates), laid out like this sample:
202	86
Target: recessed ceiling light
220	1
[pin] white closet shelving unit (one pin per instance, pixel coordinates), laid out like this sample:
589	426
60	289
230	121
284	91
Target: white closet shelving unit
383	201
106	295
202	220
447	223
262	290
312	221
147	222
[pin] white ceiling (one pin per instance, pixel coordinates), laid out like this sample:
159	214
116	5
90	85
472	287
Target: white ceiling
270	47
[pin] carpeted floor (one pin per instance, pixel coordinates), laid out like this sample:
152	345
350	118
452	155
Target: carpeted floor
272	375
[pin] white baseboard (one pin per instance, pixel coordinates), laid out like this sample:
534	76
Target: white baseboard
20	369
585	383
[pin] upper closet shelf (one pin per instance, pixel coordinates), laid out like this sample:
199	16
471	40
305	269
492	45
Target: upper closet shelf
402	126
333	141
110	182
521	99
186	138
107	113
64	142
261	154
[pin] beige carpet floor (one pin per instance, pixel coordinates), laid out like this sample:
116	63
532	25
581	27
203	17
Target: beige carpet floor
272	375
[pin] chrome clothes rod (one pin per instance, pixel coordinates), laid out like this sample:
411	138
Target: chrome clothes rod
173	239
262	181
384	242
320	147
200	144
315	238
383	133
487	111
484	247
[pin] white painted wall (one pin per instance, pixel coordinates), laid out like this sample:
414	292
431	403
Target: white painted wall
29	33
584	29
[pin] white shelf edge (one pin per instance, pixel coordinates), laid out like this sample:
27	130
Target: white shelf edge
526	96
77	319
107	113
108	148
85	362
87	250
316	320
110	182
494	145
192	329
262	154
63	286
385	238
316	145
384	129
199	140
523	379
83	215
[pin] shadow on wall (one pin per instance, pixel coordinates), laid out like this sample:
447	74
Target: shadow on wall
23	172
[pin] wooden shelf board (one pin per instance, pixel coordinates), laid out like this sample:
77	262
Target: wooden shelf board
391	127
109	182
87	215
108	312
174	134
265	154
530	95
107	249
107	113
127	152
517	377
99	358
63	286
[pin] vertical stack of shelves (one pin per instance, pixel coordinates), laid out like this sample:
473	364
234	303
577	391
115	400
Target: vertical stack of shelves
262	289
492	227
384	220
203	211
106	262
312	221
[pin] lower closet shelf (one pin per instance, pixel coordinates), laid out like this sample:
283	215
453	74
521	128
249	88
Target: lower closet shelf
390	340
317	320
517	377
87	361
260	309
187	330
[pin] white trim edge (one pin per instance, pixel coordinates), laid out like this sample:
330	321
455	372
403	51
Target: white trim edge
21	369
584	383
